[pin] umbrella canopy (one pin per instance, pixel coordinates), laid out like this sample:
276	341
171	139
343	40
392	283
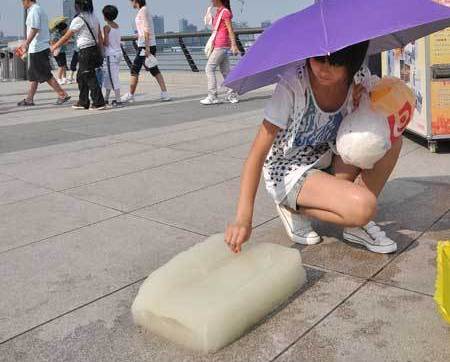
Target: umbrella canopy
54	22
331	25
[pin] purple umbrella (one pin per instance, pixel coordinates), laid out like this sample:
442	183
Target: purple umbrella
331	25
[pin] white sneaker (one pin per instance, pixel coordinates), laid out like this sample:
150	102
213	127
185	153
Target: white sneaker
210	100
298	227
165	97
232	98
127	98
62	81
372	237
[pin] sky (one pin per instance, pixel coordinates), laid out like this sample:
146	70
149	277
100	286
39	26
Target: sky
252	11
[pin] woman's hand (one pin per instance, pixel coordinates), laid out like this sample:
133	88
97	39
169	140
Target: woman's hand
237	234
358	91
53	48
235	49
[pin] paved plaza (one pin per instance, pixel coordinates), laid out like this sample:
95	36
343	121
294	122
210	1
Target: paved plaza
92	202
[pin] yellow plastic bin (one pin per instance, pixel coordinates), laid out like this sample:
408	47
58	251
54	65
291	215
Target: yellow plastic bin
442	296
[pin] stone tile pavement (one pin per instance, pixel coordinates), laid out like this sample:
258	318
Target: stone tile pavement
91	203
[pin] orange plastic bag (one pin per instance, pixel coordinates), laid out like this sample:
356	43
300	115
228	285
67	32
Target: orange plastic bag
442	295
396	101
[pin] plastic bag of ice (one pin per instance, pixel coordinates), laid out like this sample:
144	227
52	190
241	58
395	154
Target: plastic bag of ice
363	137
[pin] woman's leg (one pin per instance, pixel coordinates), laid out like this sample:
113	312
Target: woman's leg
214	61
334	200
346	199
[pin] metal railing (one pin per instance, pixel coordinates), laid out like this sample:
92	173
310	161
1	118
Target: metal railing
181	51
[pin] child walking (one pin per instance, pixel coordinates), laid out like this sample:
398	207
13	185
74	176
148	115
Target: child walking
295	149
89	40
113	55
60	54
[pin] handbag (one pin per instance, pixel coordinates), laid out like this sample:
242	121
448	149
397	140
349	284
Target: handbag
209	47
99	55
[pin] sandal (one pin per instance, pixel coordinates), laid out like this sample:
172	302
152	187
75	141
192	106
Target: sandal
25	103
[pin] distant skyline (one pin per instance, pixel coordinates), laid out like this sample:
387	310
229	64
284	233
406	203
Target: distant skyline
251	11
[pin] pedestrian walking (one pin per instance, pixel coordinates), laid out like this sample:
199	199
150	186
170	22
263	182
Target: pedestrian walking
146	52
86	27
60	54
113	55
37	44
221	43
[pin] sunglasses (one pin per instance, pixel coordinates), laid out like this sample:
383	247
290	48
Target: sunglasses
332	60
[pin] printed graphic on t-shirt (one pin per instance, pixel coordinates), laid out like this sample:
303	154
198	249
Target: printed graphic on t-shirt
317	128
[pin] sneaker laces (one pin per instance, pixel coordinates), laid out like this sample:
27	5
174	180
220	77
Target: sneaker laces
379	236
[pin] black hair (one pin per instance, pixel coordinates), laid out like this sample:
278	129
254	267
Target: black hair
61	27
351	57
110	12
227	4
141	3
84	6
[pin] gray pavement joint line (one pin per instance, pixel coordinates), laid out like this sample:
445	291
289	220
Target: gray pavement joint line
198	155
380	282
114	142
320	321
72	310
168	224
410	151
328	270
183	194
173	145
59	234
372	277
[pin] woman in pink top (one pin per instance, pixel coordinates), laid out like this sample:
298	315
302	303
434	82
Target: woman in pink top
223	42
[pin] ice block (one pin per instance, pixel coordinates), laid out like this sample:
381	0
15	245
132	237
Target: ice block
207	297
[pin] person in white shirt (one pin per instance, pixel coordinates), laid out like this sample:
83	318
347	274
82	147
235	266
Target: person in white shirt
86	27
146	49
113	55
37	44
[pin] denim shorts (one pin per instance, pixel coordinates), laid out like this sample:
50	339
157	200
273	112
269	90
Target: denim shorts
291	199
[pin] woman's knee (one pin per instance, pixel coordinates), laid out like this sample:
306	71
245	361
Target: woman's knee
361	208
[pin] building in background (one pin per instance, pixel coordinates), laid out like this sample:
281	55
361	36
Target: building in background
158	22
185	27
266	24
69	9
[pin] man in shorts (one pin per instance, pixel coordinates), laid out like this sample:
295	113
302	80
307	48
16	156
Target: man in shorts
37	45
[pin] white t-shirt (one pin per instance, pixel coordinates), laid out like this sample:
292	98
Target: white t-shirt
144	23
308	135
84	36
37	19
113	47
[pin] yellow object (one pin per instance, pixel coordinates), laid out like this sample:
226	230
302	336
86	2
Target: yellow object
442	295
52	24
396	101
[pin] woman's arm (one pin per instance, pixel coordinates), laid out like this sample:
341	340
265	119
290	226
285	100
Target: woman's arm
106	30
234	47
65	39
239	232
100	37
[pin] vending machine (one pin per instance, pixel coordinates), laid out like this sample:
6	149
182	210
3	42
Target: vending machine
425	66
